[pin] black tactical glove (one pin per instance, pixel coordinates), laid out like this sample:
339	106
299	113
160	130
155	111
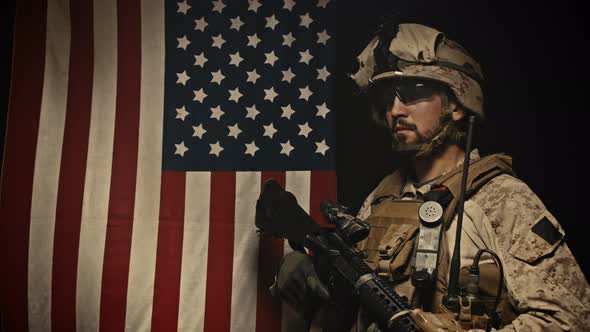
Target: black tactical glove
298	283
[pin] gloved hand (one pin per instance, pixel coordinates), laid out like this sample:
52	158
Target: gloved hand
298	283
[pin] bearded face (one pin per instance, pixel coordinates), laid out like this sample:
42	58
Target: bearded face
419	114
416	123
422	132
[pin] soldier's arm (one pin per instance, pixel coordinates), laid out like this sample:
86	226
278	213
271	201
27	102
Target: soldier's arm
544	281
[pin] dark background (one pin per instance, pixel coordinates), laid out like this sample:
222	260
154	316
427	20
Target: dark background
535	63
535	95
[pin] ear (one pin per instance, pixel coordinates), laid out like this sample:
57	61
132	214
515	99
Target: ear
458	112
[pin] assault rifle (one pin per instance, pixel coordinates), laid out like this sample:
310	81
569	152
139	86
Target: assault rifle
340	264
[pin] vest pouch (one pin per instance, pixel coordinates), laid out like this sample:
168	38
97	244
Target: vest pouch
395	251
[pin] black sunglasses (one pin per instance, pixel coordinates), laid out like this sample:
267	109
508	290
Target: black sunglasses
408	91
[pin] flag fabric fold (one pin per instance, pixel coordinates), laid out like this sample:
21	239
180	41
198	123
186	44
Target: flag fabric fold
139	135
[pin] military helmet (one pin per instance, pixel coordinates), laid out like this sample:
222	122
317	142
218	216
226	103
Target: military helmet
416	51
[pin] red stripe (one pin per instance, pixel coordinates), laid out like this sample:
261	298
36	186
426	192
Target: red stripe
268	309
169	254
221	250
72	169
26	92
323	186
124	170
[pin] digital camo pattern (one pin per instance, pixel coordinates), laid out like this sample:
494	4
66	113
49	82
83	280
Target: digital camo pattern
545	284
544	281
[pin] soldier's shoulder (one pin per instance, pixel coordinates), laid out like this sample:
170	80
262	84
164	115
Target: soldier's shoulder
509	203
507	189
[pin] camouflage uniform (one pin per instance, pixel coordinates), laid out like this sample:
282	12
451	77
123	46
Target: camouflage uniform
545	285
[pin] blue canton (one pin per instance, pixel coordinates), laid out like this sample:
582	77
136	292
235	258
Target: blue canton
248	86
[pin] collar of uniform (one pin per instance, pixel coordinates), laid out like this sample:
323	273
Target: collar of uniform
413	190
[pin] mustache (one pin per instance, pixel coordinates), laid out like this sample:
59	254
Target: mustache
404	123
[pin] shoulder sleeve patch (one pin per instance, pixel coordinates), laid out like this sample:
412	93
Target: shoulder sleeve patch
547	231
535	242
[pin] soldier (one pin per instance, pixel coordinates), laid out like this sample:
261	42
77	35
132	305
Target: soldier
423	87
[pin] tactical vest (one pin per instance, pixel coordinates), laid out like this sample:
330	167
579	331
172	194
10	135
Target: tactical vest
394	222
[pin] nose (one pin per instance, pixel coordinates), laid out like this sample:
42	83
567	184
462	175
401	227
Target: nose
398	108
395	110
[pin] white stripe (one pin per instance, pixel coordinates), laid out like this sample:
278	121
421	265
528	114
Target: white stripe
149	168
245	260
98	167
195	243
299	184
47	163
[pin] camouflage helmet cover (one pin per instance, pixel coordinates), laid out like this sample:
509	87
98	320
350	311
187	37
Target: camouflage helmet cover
419	51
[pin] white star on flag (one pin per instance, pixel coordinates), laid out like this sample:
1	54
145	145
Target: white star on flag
270	94
235	59
305	20
322	147
252	76
289	4
253	5
180	149
217	77
286	148
304	130
199	131
271	58
200	95
215	149
200	24
182	78
305	93
323	37
183	42
305	57
236	23
271	22
322	110
235	95
253	40
181	113
323	3
218	6
183	7
269	130
200	60
287	112
288	75
323	74
251	148
216	113
234	131
252	112
218	41
288	39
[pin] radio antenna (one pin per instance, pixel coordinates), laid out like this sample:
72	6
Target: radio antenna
452	299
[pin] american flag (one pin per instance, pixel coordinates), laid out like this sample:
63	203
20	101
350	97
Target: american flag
138	138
